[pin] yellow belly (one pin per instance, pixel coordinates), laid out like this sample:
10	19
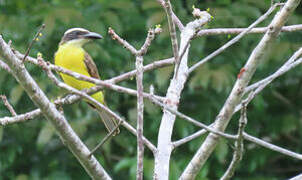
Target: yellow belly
72	58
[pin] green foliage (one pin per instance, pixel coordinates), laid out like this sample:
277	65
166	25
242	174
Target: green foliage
32	150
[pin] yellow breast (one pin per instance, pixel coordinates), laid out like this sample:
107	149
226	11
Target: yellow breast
72	58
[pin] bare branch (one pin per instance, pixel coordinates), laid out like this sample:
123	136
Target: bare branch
235	96
149	67
140	104
107	137
257	87
189	138
168	9
234	40
4	66
140	95
140	117
73	142
174	17
150	37
8	105
20	118
162	158
224	31
237	156
121	41
32	42
271	146
291	63
298	177
193	121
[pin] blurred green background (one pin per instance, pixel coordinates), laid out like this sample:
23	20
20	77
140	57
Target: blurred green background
32	150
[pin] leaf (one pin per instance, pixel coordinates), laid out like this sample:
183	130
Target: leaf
290	124
149	168
175	169
45	135
156	18
147	5
202	175
49	22
201	78
59	175
151	108
80	126
163	75
15	94
132	115
222	151
113	20
22	177
124	164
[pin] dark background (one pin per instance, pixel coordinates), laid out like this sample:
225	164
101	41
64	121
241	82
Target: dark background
32	150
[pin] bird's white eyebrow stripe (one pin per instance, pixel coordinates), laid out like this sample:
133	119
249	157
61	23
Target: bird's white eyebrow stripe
75	29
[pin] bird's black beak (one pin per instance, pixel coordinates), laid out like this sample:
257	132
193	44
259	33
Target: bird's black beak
93	35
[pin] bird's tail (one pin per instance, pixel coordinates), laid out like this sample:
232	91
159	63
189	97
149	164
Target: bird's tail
110	122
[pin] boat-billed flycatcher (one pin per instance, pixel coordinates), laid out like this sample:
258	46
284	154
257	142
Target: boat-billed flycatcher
72	56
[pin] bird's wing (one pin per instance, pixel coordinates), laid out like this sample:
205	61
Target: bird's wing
91	67
108	120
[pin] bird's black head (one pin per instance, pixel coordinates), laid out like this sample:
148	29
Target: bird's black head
79	36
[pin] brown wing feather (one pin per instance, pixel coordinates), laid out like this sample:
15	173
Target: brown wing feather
91	67
110	123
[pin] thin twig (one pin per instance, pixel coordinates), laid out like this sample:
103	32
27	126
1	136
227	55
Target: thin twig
121	41
198	14
234	40
193	121
290	63
174	17
8	105
32	42
257	87
20	118
107	137
272	147
168	9
247	137
237	156
229	31
189	138
4	66
149	67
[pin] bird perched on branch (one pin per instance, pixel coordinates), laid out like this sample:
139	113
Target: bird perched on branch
72	56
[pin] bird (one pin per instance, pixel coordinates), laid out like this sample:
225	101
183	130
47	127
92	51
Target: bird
72	56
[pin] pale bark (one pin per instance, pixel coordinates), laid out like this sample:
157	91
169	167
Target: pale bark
164	145
234	98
